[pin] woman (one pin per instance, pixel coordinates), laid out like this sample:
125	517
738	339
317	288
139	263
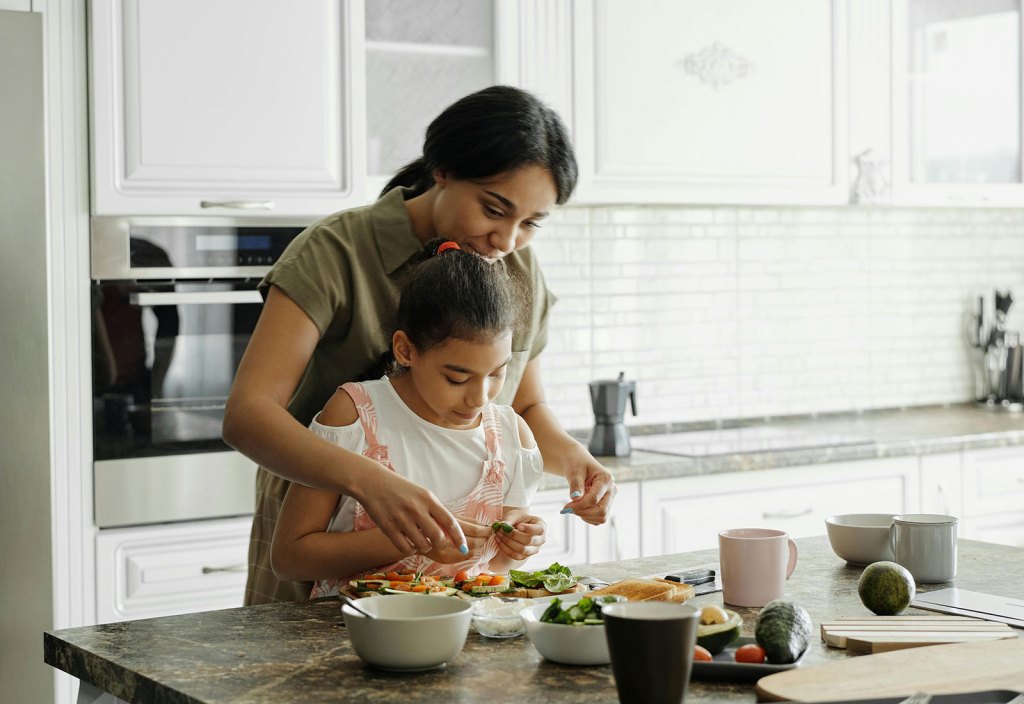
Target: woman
494	164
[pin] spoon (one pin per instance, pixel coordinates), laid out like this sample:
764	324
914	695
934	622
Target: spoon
352	602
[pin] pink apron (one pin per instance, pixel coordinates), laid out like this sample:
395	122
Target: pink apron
483	503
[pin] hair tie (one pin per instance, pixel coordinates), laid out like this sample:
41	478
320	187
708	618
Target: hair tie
445	246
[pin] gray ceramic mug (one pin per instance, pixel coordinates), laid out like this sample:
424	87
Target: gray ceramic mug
925	543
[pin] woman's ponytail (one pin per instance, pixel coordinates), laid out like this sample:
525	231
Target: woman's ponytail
415	175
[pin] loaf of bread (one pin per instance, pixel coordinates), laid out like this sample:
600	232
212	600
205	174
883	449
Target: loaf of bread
647	589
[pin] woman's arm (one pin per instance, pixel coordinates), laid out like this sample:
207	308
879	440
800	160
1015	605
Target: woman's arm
257	424
591	486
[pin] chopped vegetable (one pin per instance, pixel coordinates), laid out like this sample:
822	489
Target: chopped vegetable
585	612
750	652
701	654
502	526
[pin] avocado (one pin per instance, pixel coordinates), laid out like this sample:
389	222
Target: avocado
783	629
716	636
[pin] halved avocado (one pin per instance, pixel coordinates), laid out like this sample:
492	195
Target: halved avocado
716	636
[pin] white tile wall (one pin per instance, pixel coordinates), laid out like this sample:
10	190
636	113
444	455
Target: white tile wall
723	313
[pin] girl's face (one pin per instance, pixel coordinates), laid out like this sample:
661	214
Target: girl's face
451	383
493	217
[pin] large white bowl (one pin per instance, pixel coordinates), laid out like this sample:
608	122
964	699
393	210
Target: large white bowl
568	645
860	538
411	631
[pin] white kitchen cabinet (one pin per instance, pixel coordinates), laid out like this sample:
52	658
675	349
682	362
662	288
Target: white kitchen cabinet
683	514
942	484
993	495
957	102
566	541
736	101
171	569
239	106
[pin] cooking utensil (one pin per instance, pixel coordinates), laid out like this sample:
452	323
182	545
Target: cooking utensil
879	634
355	606
938	669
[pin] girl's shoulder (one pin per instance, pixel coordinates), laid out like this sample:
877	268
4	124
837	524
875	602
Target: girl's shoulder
515	425
340	410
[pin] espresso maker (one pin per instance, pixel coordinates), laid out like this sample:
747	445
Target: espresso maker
608	397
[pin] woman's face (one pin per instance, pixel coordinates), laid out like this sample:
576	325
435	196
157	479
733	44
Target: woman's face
451	383
493	217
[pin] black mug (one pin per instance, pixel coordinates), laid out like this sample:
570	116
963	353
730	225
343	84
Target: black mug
651	647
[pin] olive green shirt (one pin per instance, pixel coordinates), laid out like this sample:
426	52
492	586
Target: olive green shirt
346	272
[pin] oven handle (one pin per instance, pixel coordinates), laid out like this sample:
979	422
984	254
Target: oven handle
171	298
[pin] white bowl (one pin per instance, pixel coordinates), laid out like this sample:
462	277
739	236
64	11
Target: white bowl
569	645
860	538
411	631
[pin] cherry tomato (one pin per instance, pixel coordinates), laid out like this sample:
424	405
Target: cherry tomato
700	653
751	652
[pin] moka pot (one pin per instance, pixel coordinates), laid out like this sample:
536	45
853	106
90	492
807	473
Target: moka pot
608	397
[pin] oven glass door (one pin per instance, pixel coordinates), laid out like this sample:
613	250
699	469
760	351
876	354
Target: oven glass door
164	357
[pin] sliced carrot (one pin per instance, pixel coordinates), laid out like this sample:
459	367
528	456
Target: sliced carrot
401	586
393	576
419	588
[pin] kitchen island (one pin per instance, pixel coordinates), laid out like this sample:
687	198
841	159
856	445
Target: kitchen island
300	653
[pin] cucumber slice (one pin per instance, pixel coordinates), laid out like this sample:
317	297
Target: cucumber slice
490	589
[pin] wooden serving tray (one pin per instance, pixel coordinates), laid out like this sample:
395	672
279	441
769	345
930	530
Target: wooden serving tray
878	634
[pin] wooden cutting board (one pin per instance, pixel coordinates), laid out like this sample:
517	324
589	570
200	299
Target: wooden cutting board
938	669
879	634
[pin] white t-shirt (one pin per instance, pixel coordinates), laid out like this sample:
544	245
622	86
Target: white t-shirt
446	461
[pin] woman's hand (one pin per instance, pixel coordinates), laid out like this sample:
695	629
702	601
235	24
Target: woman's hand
410	516
527	536
591	487
476	534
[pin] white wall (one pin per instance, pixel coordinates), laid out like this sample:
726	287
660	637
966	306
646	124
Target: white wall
728	312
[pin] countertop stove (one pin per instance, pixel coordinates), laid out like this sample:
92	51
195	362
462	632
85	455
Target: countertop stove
732	441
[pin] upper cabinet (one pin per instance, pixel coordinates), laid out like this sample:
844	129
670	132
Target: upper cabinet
203	108
957	102
733	101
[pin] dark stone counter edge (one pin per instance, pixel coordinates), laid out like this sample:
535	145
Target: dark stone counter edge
107	676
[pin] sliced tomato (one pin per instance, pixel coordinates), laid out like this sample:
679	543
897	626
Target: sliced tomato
701	654
461	576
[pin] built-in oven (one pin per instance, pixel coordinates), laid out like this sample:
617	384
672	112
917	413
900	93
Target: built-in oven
174	302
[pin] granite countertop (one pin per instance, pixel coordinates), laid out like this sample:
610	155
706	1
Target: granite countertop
299	652
834	437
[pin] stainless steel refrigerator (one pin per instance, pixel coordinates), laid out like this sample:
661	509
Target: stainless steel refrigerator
26	572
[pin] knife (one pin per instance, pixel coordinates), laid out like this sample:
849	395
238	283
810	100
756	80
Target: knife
703	580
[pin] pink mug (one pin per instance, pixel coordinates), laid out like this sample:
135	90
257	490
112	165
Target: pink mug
755	564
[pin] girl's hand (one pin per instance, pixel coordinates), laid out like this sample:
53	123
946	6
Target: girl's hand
591	487
525	540
476	534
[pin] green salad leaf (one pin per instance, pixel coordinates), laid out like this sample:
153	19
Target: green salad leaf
555	578
585	612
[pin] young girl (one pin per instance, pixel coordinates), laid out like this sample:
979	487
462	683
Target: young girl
432	420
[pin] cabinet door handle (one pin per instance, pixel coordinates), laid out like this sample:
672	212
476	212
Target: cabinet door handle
943	498
788	513
238	204
227	568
